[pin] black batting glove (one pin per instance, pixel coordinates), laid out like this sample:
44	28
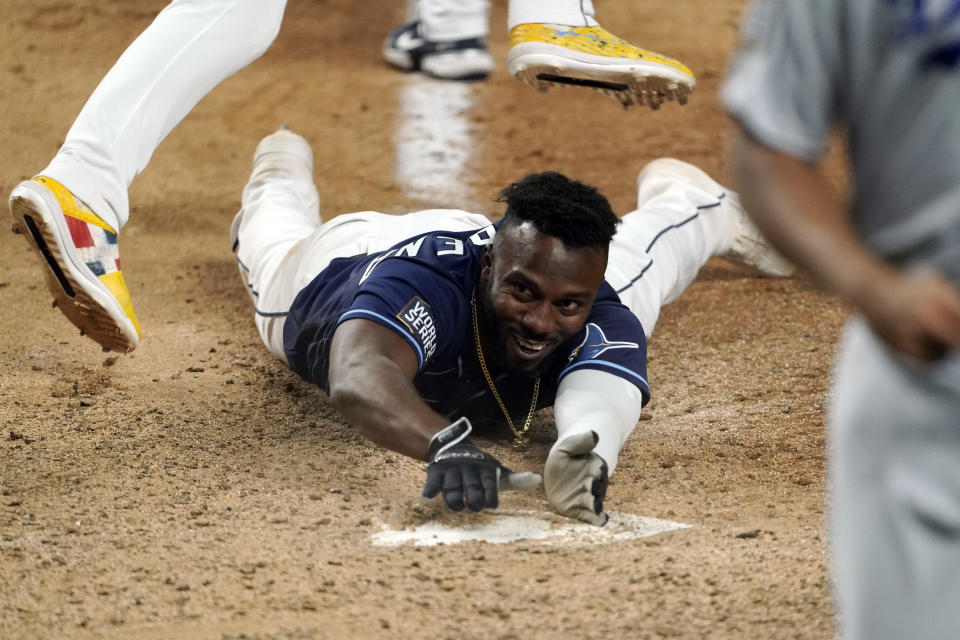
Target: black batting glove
465	474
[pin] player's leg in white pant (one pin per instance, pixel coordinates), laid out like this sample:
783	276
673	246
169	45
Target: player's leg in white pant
279	208
445	20
189	49
895	491
572	13
281	244
446	39
70	214
682	219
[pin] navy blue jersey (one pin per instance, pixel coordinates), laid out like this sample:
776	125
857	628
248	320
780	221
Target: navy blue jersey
421	288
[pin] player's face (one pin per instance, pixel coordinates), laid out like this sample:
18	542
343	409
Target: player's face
539	292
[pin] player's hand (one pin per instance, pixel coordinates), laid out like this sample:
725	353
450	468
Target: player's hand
575	478
917	314
465	474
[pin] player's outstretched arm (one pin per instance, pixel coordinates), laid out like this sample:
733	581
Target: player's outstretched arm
595	412
916	313
371	384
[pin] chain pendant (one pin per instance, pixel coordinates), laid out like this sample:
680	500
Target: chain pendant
520	441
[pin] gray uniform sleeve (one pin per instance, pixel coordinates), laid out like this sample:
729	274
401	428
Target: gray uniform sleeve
781	85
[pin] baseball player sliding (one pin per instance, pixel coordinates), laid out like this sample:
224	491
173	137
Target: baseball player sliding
428	326
72	212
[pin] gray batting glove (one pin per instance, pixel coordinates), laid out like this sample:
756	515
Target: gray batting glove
575	478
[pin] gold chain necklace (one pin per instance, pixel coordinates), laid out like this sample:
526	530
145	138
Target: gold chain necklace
519	438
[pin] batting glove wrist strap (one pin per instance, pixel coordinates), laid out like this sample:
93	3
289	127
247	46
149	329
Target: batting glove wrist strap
461	471
449	437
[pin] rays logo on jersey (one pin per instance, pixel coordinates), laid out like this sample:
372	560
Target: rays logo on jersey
595	342
418	317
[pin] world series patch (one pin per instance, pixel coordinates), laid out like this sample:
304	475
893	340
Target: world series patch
417	316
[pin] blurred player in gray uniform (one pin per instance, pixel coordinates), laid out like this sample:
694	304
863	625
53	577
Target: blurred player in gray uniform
886	71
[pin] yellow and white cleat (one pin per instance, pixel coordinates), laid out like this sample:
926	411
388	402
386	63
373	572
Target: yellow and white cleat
542	55
81	261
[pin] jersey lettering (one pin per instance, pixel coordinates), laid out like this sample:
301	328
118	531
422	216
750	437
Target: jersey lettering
373	264
484	236
455	244
410	250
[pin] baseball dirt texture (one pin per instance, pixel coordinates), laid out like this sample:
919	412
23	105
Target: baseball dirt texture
197	489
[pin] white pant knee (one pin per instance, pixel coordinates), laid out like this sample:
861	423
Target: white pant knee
454	19
679	223
573	13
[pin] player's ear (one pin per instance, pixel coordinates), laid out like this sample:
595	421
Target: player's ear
486	261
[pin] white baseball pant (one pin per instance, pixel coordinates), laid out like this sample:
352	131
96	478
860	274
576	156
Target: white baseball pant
895	490
462	19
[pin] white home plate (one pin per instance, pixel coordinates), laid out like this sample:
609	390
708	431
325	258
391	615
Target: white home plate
512	526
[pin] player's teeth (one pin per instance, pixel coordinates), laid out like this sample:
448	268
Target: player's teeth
533	346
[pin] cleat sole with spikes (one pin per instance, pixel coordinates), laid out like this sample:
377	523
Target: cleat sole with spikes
626	88
77	293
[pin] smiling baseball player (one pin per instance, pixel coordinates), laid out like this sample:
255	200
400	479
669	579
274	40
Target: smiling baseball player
425	327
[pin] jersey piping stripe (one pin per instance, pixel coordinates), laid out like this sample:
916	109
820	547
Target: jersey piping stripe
635	279
246	275
358	313
644	385
440	373
665	230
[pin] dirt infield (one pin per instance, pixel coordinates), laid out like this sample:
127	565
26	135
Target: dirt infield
197	489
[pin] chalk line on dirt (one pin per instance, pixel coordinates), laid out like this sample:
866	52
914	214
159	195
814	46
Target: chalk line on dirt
507	526
434	140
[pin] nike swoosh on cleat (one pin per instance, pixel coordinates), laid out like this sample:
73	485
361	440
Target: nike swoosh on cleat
408	40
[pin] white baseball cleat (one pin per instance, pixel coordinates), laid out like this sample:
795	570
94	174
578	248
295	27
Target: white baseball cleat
465	59
285	159
750	246
283	152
